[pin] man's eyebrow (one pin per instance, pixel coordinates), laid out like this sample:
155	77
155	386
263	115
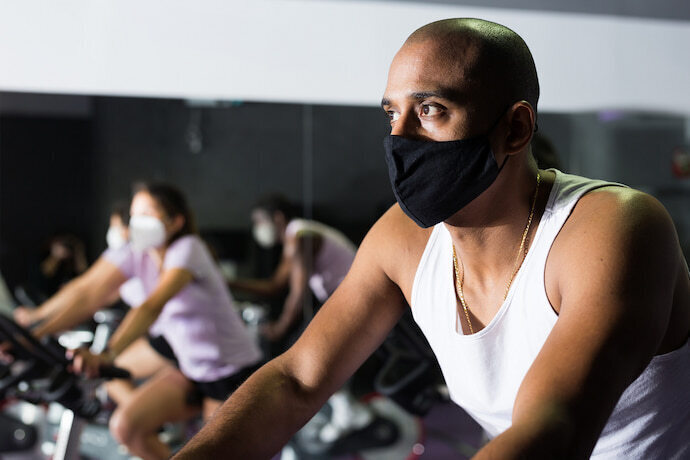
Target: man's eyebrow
449	94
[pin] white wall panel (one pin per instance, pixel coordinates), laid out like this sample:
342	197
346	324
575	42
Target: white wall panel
311	51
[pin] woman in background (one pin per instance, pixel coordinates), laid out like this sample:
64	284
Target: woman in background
186	296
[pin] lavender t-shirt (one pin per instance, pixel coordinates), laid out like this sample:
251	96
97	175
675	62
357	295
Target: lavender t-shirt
132	293
199	322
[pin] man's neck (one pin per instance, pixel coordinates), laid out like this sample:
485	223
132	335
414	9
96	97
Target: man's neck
487	233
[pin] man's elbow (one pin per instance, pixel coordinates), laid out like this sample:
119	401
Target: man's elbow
302	379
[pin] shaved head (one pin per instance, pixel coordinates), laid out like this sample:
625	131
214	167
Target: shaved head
490	62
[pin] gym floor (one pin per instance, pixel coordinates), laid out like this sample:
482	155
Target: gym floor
450	433
446	433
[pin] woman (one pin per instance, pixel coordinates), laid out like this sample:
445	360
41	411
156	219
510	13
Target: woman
188	300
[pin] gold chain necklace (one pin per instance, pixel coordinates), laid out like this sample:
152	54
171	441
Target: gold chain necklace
522	253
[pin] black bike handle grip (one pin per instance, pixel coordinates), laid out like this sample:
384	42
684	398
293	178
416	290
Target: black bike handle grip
112	372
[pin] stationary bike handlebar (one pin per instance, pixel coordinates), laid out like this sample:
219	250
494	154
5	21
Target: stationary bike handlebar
43	367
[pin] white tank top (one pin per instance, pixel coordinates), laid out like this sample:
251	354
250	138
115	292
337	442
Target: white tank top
484	370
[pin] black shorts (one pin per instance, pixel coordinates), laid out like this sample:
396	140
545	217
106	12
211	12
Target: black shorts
163	348
223	388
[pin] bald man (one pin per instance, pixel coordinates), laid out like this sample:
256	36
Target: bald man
558	306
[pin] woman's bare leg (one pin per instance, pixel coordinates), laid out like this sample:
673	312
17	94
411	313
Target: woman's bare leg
142	361
161	399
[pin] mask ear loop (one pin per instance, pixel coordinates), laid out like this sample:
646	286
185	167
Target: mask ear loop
498	120
503	164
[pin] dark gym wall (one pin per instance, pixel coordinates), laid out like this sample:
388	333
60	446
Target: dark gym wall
331	155
65	172
45	187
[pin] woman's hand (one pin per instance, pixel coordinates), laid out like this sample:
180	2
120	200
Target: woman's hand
88	364
5	356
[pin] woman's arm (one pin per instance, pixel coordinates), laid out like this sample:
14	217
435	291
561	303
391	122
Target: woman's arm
79	299
136	322
269	287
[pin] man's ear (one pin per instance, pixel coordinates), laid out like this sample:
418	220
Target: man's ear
521	123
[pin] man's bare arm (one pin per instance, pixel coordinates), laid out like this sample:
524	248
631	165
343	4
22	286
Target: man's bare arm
616	278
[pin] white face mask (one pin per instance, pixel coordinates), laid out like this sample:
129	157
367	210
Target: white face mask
114	238
265	234
146	232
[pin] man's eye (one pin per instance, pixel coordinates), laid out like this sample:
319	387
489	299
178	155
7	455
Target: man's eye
393	116
430	110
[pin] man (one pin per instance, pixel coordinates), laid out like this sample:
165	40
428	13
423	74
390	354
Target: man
315	257
547	298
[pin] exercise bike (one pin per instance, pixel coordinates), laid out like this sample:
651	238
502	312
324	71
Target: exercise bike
39	374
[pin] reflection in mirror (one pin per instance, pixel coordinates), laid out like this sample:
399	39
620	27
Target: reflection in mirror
67	159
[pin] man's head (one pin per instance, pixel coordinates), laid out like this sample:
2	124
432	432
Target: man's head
461	98
457	78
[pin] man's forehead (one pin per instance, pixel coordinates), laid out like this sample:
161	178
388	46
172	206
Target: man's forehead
420	69
455	55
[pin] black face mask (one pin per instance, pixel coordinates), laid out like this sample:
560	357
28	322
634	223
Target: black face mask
434	180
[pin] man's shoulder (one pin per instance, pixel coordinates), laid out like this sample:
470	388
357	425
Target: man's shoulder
397	243
613	218
612	237
617	206
395	228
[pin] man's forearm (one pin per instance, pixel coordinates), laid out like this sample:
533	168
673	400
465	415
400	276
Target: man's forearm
257	420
